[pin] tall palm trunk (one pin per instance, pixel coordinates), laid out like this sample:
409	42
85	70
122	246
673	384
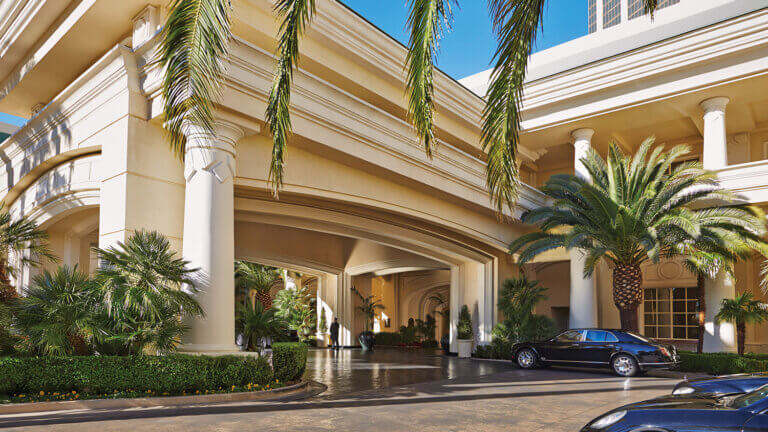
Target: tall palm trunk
627	294
741	336
265	298
7	291
702	314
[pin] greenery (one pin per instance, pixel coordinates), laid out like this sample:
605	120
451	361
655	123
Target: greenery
742	310
517	300
173	374
257	278
465	323
368	306
408	333
289	360
198	32
297	307
426	328
22	237
323	325
259	324
723	363
388	338
57	314
642	208
499	349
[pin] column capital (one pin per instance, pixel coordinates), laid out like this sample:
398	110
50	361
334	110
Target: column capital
584	134
714	104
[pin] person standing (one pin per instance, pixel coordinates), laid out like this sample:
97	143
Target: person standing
335	334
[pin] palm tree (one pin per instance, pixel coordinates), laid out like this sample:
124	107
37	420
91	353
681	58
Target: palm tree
256	277
25	239
196	39
141	283
368	306
635	210
58	312
518	298
258	323
742	310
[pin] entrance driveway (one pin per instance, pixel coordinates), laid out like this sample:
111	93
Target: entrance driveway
421	398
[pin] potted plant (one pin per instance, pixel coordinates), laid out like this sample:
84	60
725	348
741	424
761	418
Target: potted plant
464	341
368	307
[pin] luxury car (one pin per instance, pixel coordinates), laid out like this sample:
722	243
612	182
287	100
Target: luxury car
627	354
689	413
727	384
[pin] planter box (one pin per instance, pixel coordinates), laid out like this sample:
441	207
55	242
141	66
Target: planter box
323	340
465	347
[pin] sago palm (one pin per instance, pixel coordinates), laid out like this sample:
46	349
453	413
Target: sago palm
638	209
58	312
258	323
256	277
742	310
195	46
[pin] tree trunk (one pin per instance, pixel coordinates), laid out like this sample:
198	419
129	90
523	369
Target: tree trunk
741	336
627	294
7	291
265	298
702	314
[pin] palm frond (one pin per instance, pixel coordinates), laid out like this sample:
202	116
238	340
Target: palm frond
426	22
515	24
296	16
194	47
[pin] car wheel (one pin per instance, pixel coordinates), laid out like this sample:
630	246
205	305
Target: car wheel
526	358
625	365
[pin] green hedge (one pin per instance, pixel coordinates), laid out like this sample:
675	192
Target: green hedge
289	360
722	363
498	349
388	338
104	374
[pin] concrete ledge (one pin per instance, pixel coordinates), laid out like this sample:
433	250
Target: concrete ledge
165	401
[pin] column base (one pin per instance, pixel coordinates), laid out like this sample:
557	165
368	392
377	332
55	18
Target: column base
217	349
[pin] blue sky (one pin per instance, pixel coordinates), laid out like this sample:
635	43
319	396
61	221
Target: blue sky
468	48
470	45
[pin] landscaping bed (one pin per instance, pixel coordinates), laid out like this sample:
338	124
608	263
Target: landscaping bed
723	363
42	379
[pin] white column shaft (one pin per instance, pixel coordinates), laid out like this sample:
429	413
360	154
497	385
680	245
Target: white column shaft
209	236
583	301
715	155
718	337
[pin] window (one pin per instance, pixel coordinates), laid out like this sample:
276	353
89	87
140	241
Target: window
671	313
611	13
592	19
600	336
636	8
570	336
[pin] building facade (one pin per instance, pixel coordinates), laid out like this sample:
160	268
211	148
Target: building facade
362	205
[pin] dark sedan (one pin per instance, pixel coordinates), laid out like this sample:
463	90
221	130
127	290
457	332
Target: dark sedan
627	354
727	384
690	413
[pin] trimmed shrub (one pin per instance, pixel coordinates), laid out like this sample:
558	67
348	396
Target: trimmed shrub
388	338
289	360
465	323
104	374
498	349
429	343
722	363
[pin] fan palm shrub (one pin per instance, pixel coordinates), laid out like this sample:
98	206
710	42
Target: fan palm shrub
58	312
742	310
140	282
641	208
196	39
260	324
256	277
22	237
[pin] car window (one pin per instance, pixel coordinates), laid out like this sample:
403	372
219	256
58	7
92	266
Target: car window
570	336
610	337
596	336
750	398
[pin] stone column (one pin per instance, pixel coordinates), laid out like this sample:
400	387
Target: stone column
715	140
718	337
209	234
583	304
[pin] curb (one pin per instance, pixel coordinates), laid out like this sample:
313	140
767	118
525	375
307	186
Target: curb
165	401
